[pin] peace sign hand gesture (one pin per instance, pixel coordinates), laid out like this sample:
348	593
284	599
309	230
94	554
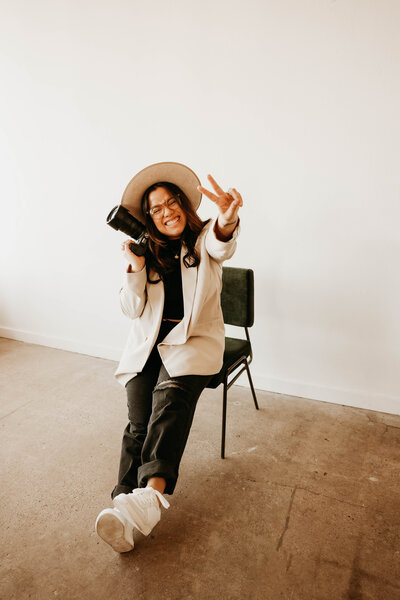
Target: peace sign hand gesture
228	204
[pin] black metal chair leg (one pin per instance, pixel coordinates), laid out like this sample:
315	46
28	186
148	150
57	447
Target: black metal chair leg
224	403
251	384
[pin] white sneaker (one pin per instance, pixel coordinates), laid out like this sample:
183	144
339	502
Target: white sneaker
114	529
141	508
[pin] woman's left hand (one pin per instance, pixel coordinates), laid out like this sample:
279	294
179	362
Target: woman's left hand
228	204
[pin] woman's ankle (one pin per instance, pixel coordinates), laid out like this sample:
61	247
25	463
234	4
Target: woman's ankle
157	483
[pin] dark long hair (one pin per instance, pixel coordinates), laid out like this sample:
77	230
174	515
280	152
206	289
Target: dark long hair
157	256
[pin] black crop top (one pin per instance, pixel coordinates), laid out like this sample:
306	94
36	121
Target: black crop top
173	301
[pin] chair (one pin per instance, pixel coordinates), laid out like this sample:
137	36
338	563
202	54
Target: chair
237	301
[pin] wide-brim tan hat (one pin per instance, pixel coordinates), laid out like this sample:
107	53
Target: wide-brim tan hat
172	172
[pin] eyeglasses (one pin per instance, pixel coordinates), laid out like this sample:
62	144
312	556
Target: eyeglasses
158	209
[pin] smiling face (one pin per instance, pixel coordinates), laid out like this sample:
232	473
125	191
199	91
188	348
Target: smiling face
170	220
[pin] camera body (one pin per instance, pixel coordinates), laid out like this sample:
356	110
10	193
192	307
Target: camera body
121	219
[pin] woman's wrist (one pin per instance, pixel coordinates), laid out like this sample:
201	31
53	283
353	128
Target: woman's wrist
232	224
130	269
224	231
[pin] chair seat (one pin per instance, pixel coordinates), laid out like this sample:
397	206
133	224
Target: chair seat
234	349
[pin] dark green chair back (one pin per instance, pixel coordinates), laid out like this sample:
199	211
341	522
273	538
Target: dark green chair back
237	297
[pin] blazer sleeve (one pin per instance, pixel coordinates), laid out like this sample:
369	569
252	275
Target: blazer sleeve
218	250
133	295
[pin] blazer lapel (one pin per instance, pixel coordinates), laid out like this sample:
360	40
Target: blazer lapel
189	282
155	292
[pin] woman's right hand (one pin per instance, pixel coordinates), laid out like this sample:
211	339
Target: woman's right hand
136	262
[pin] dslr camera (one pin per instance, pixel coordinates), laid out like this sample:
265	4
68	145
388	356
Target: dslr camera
121	219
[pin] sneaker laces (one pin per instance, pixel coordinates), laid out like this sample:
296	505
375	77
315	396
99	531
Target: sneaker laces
146	498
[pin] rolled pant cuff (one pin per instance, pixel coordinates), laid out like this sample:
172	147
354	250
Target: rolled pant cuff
158	468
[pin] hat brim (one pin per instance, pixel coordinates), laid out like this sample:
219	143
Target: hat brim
173	172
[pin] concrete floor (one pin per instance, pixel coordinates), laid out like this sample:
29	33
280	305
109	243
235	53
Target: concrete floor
305	506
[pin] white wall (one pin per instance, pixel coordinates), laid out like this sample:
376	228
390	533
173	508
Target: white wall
295	103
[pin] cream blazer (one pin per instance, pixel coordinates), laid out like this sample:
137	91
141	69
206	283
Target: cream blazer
195	346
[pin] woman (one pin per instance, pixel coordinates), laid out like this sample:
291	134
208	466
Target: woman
176	341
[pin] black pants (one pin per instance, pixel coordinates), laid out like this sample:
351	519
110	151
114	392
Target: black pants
160	410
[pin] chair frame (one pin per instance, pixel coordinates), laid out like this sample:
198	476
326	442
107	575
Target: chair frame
227	384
